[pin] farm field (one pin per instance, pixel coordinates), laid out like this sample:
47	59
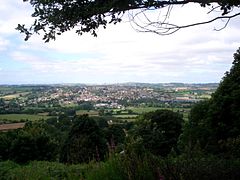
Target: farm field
126	116
141	110
18	117
13	96
90	113
6	127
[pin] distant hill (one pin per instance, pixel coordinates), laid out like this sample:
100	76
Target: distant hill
164	85
130	84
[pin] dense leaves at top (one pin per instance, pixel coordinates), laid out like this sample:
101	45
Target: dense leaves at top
53	17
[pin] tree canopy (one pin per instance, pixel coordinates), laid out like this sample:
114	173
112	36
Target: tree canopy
54	17
27	144
215	124
85	142
158	131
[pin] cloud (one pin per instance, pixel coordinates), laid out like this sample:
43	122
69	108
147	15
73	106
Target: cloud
119	53
4	43
13	13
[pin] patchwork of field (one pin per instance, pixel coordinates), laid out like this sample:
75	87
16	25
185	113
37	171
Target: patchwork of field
124	115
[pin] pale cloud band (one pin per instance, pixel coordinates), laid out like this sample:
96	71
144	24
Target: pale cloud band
118	54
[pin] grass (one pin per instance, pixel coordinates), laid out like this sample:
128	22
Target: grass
43	114
131	166
125	116
42	170
18	117
141	110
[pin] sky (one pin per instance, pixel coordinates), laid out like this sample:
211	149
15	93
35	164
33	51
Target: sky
119	54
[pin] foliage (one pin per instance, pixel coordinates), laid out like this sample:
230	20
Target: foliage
5	145
29	143
21	117
58	16
85	142
158	131
201	168
214	125
128	166
42	170
70	112
226	102
101	122
196	130
85	105
112	169
224	109
115	136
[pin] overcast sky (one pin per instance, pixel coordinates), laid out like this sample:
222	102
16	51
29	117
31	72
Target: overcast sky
119	53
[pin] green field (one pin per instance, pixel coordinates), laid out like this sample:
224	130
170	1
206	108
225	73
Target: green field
125	116
18	117
141	110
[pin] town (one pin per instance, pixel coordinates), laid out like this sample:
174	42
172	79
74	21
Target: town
105	95
124	100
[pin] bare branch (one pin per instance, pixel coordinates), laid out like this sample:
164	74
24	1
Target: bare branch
223	26
210	21
165	28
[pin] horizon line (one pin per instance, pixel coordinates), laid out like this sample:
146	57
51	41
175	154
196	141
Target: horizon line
116	83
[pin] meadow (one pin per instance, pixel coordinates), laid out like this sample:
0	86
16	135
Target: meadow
23	117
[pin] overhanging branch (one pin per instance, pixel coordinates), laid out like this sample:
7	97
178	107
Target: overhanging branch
53	18
164	28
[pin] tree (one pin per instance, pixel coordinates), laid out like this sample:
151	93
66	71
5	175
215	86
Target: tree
226	102
6	139
70	112
215	124
58	16
225	106
27	147
115	134
84	143
197	130
159	131
2	102
27	144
